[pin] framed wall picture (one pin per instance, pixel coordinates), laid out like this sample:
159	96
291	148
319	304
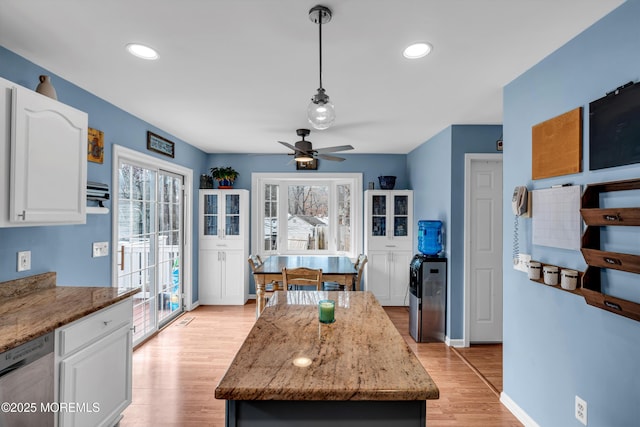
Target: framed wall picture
95	142
311	166
160	145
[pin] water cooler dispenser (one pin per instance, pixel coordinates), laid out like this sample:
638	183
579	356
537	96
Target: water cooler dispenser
428	286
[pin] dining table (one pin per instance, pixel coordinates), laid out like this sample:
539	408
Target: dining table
339	269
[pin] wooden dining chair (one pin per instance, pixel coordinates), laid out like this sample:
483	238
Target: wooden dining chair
254	262
362	260
302	276
355	285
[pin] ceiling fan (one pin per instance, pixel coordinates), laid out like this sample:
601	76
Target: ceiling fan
303	150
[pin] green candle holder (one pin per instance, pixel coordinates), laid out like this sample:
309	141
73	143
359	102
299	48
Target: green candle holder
326	311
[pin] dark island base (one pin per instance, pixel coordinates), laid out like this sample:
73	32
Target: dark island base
283	413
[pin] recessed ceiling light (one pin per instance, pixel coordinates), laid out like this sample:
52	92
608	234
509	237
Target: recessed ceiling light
417	50
142	51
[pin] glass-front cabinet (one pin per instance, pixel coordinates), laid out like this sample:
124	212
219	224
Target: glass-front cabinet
221	213
389	216
223	247
388	244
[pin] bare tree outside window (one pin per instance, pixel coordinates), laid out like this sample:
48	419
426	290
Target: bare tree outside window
308	217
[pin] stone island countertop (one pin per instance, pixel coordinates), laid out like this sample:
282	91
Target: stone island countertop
33	306
290	355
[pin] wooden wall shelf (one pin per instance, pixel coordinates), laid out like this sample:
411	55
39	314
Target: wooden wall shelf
576	291
598	259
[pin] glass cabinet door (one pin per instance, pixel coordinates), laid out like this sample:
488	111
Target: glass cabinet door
210	215
400	215
232	215
379	215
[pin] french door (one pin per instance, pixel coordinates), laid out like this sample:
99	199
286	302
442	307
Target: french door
150	242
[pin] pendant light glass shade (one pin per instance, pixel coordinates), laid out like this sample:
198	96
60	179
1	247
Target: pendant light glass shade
321	112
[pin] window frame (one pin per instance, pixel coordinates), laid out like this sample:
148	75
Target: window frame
258	182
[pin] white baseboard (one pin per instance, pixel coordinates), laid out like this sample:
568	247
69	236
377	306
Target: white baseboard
453	343
517	411
193	306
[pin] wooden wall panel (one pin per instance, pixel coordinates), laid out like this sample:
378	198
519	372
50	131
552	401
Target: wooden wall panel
556	145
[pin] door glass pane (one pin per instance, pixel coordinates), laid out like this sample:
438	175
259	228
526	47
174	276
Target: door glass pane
379	216
344	218
210	215
169	246
400	215
308	219
232	214
137	242
270	217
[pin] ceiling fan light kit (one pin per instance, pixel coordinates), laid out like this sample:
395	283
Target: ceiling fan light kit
321	111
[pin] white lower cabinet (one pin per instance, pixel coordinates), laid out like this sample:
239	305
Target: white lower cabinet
223	277
387	276
93	364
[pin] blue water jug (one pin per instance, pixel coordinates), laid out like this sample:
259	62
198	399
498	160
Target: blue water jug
430	237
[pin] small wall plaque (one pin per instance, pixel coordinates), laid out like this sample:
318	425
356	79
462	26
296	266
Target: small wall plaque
95	150
160	145
311	166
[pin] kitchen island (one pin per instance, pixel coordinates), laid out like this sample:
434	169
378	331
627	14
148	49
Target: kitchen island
293	370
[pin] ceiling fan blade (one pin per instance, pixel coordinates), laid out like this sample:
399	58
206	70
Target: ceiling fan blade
334	149
328	157
286	144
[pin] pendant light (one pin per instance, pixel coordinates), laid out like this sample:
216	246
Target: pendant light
321	112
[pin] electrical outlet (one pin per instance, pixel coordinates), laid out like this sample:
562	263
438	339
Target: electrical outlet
581	410
100	249
24	260
522	262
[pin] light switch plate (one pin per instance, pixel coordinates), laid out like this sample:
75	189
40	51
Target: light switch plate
100	249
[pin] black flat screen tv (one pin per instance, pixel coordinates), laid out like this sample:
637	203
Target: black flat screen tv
614	128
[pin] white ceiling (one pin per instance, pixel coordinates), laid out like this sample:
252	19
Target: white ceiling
235	76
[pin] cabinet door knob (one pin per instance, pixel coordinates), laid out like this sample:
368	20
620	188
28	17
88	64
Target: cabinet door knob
23	215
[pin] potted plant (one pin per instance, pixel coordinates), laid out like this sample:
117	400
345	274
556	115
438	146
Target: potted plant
225	176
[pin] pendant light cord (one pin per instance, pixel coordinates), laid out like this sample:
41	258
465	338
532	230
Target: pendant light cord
320	37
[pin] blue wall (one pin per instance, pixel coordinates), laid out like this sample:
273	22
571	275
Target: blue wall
66	249
436	173
370	165
555	345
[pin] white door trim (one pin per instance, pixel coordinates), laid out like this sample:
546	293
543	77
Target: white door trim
123	153
468	158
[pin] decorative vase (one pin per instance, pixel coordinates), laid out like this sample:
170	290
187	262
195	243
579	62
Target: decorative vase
46	88
387	182
206	181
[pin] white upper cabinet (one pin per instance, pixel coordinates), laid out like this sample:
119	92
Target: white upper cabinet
224	218
389	219
44	147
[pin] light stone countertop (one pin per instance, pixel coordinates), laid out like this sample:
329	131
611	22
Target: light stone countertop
361	356
33	306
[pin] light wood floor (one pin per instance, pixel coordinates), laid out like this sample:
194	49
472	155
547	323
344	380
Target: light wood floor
175	374
486	361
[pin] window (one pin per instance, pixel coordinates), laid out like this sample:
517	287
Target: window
307	214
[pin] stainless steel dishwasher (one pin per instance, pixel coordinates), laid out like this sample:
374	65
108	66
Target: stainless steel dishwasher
26	384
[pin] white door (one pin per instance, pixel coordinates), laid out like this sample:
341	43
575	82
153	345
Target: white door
484	249
149	228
